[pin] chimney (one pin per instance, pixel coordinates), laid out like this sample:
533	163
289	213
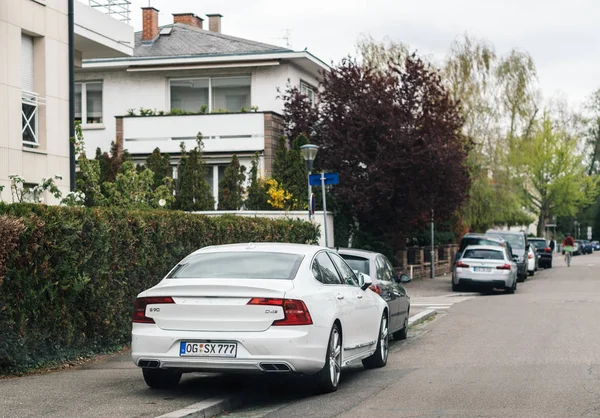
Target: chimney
149	24
214	22
188	19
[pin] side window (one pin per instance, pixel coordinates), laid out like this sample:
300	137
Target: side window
348	276
316	271
389	268
329	274
383	273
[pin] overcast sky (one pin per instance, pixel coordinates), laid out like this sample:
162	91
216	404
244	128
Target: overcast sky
563	36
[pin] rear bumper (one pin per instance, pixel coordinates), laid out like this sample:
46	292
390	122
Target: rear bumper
300	348
488	284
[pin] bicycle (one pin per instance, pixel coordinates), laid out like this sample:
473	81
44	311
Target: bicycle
568	254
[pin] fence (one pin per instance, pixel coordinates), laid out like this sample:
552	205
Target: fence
416	261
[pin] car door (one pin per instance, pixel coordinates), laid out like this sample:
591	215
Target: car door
402	302
364	320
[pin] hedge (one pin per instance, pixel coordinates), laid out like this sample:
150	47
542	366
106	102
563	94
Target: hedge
69	276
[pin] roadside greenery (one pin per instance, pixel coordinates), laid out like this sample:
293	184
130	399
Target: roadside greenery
69	275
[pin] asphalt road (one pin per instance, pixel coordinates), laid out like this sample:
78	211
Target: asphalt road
532	354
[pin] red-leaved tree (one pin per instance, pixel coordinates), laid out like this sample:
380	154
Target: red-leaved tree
395	138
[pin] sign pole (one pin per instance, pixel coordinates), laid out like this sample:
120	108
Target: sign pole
324	208
309	198
432	247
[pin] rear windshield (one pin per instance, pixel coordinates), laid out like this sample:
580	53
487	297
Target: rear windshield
467	241
516	241
484	254
538	243
360	264
239	265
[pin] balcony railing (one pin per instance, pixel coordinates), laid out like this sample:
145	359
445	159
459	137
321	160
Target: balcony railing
118	9
227	133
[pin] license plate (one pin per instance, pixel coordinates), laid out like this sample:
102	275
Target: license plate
483	269
199	349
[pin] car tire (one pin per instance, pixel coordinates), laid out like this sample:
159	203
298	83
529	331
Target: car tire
403	333
455	287
531	273
380	356
512	289
549	265
328	379
161	378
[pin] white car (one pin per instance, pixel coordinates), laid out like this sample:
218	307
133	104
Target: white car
486	266
268	308
532	260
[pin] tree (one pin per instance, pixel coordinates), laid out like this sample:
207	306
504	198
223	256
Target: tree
231	187
395	137
593	133
289	169
552	172
257	193
111	163
193	192
160	165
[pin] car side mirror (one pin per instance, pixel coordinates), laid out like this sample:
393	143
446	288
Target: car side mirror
403	278
366	281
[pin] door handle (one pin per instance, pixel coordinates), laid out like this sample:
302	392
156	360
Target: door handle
340	296
359	296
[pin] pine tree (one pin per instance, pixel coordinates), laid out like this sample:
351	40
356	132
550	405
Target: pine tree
193	192
161	166
257	193
231	188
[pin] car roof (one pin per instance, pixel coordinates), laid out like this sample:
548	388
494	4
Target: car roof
279	247
484	236
484	247
358	252
500	231
537	239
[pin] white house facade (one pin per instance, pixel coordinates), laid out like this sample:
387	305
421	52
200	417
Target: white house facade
34	80
183	80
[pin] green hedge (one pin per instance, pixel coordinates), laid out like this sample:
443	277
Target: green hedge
69	276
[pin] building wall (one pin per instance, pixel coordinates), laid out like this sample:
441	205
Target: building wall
124	90
48	25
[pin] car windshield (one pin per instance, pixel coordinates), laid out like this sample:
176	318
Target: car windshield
238	265
538	243
515	240
484	254
359	264
467	241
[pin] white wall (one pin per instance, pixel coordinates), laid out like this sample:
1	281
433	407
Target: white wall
273	214
124	90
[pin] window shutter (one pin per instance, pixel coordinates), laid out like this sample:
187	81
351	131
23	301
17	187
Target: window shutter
26	62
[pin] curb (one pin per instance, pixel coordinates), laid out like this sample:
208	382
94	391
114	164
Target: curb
421	316
207	409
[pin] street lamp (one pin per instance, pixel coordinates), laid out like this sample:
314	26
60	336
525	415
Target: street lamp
309	152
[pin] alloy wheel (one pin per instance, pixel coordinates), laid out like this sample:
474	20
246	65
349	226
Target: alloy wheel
335	357
384	337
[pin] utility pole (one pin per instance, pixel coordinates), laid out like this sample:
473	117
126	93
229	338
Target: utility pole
71	43
432	247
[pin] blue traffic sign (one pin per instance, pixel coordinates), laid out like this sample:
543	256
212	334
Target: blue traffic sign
330	179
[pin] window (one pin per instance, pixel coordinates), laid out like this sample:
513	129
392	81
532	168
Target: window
239	265
88	102
346	272
308	91
231	94
329	274
484	254
29	99
360	264
211	94
516	240
383	272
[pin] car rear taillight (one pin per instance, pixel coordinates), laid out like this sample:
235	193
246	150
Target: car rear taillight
461	264
139	308
548	250
504	267
375	288
295	311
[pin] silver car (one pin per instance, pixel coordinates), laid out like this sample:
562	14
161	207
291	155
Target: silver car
486	266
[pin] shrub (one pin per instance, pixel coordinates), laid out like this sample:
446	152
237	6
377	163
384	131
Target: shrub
73	273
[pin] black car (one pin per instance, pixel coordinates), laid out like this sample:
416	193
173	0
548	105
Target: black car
544	251
519	244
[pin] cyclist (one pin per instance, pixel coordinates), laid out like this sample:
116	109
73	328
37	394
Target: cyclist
568	244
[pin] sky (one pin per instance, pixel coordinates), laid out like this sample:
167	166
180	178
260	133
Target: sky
563	36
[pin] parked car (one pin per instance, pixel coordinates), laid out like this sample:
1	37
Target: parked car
477	239
587	247
269	308
518	246
385	283
578	248
486	266
532	260
544	252
596	245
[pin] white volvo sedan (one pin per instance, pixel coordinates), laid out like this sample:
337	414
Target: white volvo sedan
268	308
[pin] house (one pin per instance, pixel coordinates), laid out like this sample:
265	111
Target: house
185	79
34	79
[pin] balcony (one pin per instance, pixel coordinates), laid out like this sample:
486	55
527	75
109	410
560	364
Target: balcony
222	133
102	29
